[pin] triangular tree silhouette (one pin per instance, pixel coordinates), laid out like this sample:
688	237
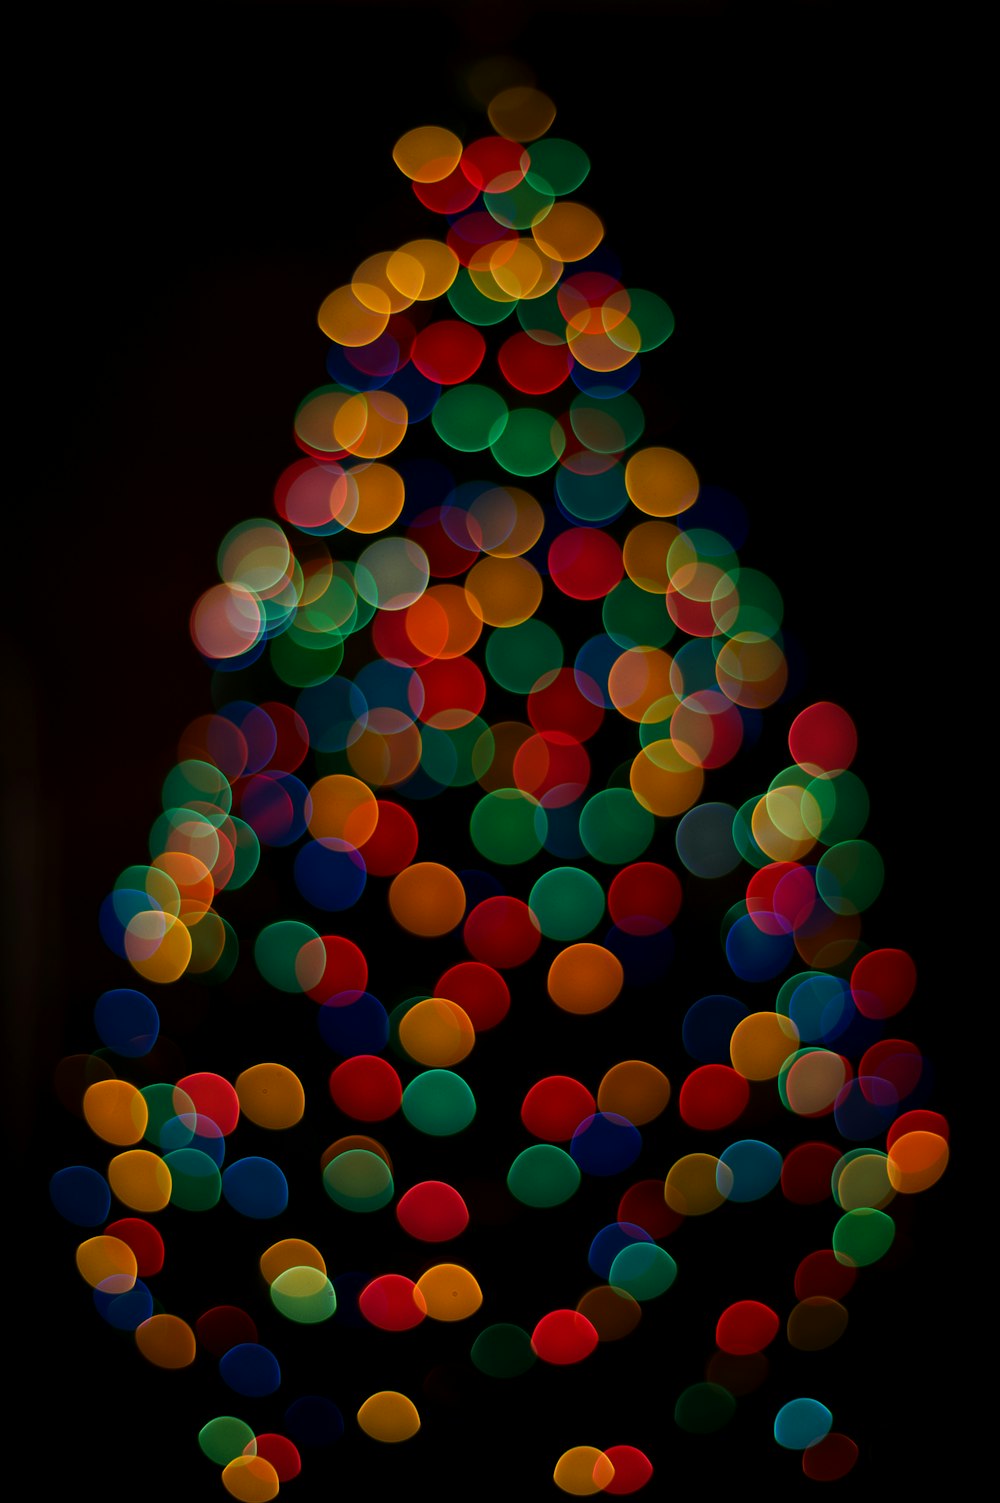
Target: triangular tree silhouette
481	698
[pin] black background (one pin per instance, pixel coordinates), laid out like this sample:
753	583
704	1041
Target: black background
190	189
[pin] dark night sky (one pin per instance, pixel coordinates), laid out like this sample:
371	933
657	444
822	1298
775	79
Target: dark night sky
189	190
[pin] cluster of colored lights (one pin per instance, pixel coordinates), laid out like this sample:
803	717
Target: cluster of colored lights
390	607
